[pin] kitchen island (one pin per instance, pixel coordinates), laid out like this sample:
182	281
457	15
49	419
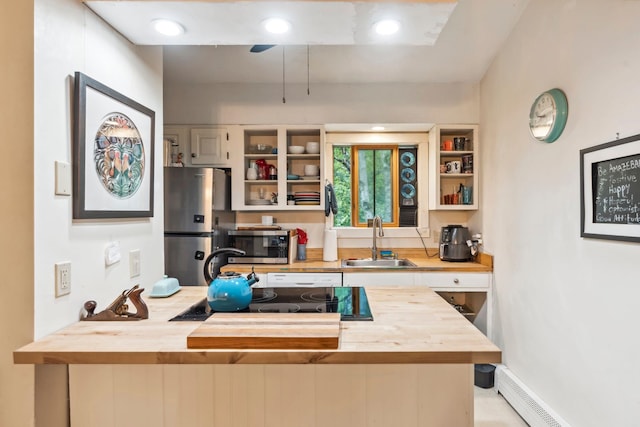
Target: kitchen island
412	365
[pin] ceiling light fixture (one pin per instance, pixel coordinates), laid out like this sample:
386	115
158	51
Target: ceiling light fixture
377	128
276	25
167	27
387	27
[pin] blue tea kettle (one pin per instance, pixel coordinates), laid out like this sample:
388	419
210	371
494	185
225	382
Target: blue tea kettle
229	291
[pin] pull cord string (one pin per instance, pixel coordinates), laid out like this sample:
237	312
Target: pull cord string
283	97
308	90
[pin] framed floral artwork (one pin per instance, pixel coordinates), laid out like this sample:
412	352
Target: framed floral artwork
113	152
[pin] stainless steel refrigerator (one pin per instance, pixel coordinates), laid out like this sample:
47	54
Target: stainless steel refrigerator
197	219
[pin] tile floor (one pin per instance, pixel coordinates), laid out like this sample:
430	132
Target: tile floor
492	410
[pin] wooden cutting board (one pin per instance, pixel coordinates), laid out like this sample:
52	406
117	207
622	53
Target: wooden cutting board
301	331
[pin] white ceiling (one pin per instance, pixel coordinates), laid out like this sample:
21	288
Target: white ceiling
438	42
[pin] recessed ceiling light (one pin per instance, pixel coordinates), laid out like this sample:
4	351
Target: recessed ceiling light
377	128
387	27
276	25
167	27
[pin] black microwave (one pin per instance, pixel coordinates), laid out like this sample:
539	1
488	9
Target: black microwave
261	246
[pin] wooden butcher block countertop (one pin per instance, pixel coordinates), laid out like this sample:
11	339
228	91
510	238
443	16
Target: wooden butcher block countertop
315	264
411	325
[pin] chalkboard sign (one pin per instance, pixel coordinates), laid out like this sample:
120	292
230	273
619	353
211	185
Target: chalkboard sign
610	183
616	186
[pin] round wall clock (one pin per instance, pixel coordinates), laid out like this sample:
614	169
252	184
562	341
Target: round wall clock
548	115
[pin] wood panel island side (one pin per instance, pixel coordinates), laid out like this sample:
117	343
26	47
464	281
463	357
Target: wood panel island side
411	366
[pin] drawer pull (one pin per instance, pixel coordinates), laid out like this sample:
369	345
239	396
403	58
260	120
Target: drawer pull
456	281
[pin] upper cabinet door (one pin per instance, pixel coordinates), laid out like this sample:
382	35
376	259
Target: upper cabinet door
209	146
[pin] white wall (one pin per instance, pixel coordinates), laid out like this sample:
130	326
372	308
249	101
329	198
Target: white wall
69	38
337	103
565	306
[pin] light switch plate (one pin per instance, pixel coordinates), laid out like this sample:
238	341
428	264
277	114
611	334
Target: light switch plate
134	263
63	179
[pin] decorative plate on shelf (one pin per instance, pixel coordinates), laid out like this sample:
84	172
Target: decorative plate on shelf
407	159
408	175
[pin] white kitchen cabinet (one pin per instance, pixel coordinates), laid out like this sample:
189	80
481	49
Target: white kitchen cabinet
381	278
471	292
210	146
302	280
270	143
199	145
445	186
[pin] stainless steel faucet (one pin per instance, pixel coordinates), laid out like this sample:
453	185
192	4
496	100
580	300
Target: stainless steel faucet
377	221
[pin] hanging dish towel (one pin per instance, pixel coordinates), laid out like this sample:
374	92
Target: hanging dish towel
330	202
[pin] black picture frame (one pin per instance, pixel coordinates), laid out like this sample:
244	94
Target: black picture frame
113	153
610	190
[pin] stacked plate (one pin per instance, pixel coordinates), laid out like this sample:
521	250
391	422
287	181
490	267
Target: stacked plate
307	197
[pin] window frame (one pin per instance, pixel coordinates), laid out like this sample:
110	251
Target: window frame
416	137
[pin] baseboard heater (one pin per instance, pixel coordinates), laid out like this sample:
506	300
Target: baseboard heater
530	407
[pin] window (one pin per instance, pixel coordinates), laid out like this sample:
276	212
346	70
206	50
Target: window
407	216
365	180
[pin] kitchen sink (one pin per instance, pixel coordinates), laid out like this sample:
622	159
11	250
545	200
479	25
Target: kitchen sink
377	263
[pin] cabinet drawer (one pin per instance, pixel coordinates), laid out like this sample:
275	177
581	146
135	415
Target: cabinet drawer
304	279
456	280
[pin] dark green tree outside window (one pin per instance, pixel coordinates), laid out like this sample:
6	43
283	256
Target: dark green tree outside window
375	184
342	184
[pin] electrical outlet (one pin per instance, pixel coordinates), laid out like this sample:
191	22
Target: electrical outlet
63	278
134	263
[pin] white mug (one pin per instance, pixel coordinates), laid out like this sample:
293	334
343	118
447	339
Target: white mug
453	166
267	220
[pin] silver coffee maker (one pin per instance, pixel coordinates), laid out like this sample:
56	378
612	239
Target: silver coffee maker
455	243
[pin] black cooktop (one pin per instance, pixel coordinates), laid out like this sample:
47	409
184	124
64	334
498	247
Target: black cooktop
350	302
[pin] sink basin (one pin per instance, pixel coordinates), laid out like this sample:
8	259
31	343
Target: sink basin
379	263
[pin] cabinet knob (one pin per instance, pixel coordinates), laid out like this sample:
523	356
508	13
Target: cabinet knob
456	281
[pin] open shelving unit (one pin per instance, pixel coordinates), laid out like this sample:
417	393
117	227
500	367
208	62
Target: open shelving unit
445	187
253	194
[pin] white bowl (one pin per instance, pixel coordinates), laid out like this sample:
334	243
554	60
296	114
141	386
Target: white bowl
311	170
296	149
313	147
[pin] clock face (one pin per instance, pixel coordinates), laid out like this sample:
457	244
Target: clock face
548	115
544	114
